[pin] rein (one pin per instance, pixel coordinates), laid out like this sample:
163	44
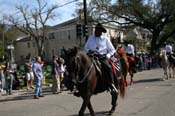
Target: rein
77	76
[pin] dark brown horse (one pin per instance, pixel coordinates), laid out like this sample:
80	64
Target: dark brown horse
83	73
126	64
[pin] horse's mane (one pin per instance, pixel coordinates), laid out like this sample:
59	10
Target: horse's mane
164	55
121	52
84	57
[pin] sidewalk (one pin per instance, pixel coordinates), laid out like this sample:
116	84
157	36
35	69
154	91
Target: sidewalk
22	94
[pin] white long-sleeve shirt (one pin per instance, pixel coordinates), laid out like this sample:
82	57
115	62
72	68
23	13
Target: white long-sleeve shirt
168	48
130	49
100	45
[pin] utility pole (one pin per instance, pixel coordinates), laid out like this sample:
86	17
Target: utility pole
3	36
85	17
3	44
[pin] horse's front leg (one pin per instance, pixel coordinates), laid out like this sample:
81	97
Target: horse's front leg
86	100
131	77
169	68
166	72
126	82
91	109
173	72
114	96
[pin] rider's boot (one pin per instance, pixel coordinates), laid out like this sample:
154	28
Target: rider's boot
113	84
132	82
126	83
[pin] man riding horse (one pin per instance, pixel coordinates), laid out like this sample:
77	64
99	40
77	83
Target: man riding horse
101	46
130	54
169	51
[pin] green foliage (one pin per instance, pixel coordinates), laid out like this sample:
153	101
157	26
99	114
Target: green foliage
1	49
157	16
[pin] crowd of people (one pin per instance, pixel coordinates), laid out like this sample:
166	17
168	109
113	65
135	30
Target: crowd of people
33	75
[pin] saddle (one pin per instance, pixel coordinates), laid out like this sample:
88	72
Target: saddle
113	61
130	59
116	65
132	64
171	58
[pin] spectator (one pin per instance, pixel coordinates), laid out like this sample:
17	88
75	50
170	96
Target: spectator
1	77
61	70
144	60
29	75
16	83
149	62
55	76
38	73
9	78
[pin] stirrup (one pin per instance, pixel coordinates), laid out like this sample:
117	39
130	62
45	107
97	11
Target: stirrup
114	88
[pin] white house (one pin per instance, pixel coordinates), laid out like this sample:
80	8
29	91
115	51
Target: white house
59	36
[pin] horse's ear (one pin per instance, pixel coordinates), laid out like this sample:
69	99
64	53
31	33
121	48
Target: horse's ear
76	49
65	51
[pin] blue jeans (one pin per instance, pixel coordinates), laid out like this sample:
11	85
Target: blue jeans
38	88
1	81
9	84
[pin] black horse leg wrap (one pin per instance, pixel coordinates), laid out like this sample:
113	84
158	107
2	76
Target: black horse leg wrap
114	95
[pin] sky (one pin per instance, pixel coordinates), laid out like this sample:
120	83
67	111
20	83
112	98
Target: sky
63	13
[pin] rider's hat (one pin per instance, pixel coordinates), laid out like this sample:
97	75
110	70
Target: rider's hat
100	27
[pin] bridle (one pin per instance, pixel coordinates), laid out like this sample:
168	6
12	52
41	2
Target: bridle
78	71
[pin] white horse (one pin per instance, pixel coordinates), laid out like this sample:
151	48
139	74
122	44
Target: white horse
164	63
167	66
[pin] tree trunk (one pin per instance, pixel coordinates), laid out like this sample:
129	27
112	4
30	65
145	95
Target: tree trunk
154	45
40	52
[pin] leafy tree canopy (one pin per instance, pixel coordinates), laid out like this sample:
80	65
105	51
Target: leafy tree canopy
157	16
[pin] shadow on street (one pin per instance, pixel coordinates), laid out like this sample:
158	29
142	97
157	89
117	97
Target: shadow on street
147	80
101	113
24	95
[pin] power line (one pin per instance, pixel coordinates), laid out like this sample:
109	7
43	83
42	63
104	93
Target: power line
67	3
58	6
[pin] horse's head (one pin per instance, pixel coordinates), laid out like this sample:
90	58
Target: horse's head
163	54
76	63
120	50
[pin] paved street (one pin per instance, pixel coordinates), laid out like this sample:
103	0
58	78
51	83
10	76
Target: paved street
149	96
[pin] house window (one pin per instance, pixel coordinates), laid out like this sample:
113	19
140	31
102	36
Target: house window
68	35
33	44
51	35
28	44
53	52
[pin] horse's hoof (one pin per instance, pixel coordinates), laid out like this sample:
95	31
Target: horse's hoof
77	94
131	83
112	109
111	112
126	83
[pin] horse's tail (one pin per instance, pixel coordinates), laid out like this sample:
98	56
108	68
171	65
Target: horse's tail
122	86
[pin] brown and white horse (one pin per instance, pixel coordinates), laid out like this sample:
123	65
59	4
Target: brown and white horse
126	65
168	65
